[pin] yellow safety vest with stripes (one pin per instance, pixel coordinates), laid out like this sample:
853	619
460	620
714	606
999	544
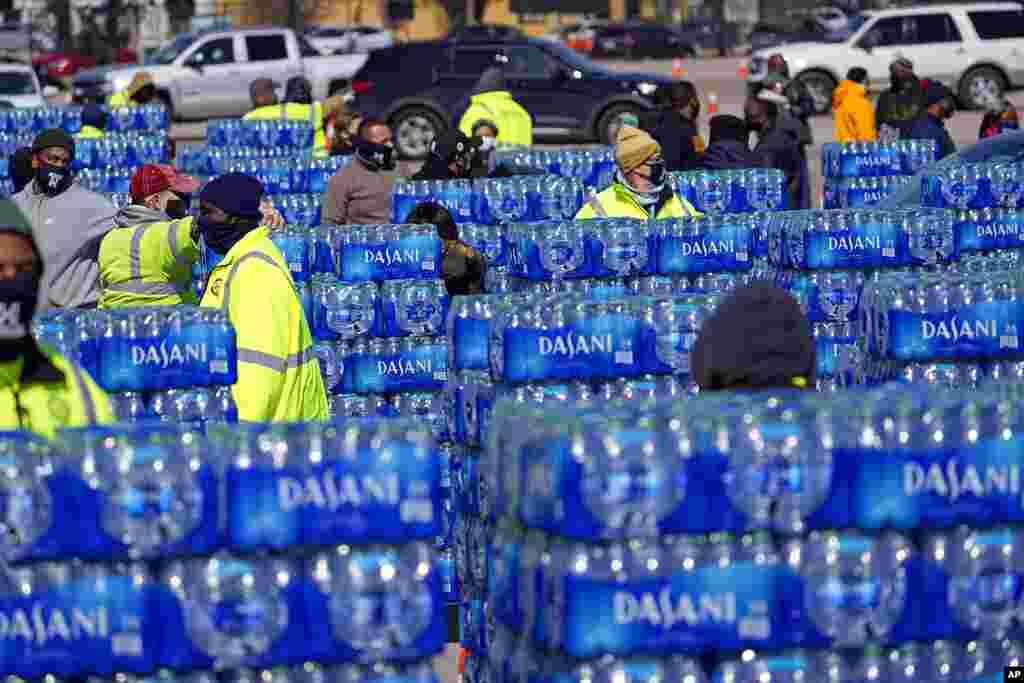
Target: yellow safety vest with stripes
149	264
90	133
618	202
278	373
515	127
294	111
41	391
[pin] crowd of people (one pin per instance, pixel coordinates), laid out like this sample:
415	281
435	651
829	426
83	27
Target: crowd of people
63	246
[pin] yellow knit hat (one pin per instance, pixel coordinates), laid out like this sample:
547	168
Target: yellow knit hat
633	147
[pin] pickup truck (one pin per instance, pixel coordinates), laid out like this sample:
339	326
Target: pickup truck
207	74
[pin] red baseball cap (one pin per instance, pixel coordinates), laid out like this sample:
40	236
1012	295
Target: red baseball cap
154	178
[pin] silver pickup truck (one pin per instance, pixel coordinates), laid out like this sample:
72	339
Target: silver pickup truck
207	75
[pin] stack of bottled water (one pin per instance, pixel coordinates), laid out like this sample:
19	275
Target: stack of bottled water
493	200
861	174
254	552
714	192
988	200
151	118
595	168
174	363
262	134
824	258
747	538
122	151
955	326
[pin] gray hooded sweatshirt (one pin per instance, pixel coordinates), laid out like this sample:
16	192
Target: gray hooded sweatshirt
68	229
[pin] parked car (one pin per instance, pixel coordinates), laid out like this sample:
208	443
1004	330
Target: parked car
420	88
485	33
20	86
639	41
60	65
207	75
709	34
975	48
346	39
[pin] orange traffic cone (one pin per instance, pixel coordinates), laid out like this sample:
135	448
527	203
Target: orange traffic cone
713	103
677	68
462	661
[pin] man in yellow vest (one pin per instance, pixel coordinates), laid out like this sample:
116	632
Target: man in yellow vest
146	260
94	123
142	90
492	103
298	106
40	390
278	374
641	188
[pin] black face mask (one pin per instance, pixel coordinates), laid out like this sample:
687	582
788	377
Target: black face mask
377	157
176	208
53	179
18	299
220	237
144	94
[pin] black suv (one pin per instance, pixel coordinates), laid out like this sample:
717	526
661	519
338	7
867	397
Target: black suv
419	88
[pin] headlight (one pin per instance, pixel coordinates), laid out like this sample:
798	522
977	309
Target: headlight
647	88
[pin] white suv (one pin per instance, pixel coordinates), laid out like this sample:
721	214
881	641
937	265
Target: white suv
974	48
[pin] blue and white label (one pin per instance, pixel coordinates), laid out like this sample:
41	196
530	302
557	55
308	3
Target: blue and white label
728	248
983	330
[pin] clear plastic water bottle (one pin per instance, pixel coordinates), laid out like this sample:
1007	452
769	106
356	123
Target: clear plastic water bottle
753	667
415	307
856	587
26	506
234	609
379	598
986	577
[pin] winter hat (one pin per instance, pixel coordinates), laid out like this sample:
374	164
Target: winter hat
53	137
758	338
902	63
727	127
153	178
298	90
633	147
451	144
236	194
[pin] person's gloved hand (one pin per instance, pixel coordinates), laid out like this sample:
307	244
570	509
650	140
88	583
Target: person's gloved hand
272	218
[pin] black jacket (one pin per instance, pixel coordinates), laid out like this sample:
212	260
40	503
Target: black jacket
724	155
676	134
434	168
779	147
900	106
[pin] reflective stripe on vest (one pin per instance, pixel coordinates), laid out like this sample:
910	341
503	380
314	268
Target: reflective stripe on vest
90	407
595	204
172	239
135	251
275	363
231	274
144	288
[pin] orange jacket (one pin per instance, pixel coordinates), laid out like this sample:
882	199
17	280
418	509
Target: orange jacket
854	115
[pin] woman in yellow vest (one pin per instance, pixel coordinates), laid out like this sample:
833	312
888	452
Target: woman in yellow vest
142	90
40	390
492	102
641	188
298	106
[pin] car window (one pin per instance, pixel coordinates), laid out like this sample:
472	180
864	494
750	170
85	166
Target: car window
266	48
306	49
473	62
527	60
998	24
213	52
12	83
924	29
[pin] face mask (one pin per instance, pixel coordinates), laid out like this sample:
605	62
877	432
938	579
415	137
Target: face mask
220	237
487	143
376	156
657	176
18	299
176	209
53	179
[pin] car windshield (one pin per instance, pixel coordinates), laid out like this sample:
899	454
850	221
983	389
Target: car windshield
575	60
856	21
12	83
168	53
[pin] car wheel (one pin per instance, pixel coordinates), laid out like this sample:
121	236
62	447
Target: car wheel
820	85
980	84
415	129
611	120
